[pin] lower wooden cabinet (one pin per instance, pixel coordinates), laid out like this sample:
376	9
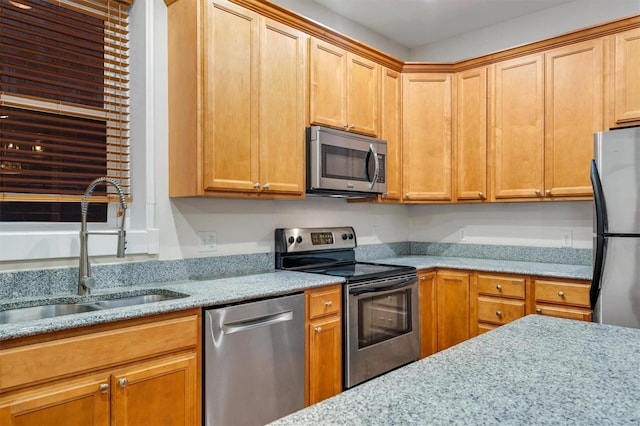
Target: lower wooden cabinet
499	299
428	313
563	298
136	372
453	313
324	343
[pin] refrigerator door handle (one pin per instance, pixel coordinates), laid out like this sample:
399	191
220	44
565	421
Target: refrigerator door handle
598	266
602	225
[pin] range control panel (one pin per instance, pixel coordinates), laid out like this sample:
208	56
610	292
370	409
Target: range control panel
291	240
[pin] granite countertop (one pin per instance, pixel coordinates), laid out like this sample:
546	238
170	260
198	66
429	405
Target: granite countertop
581	272
535	370
210	292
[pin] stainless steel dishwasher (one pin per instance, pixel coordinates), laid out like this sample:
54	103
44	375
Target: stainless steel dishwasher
254	361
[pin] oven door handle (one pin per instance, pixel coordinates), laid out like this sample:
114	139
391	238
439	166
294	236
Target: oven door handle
362	290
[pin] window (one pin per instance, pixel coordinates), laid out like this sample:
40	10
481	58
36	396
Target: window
64	106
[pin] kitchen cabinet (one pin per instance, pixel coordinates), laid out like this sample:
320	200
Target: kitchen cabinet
626	85
574	111
143	371
518	128
344	89
471	135
324	343
391	130
453	308
231	125
427	137
500	299
428	313
563	298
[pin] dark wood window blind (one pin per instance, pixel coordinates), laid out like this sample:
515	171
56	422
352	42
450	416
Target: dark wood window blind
64	102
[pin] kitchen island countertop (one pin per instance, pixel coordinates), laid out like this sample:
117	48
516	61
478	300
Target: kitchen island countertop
536	370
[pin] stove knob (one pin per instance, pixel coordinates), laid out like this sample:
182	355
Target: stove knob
299	239
291	240
351	236
344	236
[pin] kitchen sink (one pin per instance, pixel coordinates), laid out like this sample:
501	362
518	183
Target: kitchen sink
95	303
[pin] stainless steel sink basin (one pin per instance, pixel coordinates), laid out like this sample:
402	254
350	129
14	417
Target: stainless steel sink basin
96	303
44	311
136	300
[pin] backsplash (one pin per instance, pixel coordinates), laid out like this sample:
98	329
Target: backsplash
51	281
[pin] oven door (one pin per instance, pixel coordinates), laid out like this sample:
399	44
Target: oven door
381	327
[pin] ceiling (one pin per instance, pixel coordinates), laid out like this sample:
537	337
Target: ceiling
413	23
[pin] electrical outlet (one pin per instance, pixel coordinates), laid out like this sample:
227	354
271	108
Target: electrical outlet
207	241
566	239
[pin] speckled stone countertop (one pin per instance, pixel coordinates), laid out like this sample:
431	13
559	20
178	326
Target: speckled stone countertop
582	272
536	370
201	293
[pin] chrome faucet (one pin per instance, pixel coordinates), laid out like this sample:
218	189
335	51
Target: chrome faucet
85	280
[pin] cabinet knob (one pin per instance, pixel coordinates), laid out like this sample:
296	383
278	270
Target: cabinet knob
538	193
266	186
318	329
346	125
328	304
498	287
481	195
123	382
548	192
423	278
561	293
538	311
499	313
104	388
407	195
352	127
256	185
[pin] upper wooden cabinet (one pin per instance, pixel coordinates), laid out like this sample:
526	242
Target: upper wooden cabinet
391	130
471	135
344	89
427	136
231	126
574	111
626	91
546	109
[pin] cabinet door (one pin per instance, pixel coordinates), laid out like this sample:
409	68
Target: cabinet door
428	314
471	135
627	83
73	402
453	308
328	85
230	121
362	95
283	59
325	358
426	137
391	130
518	133
160	392
574	94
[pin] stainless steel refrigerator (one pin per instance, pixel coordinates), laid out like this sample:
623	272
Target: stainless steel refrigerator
615	175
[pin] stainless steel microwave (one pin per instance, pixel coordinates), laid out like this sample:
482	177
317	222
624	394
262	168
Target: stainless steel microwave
344	164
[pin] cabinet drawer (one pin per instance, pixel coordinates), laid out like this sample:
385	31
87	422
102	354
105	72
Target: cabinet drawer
324	301
484	327
570	313
66	356
495	285
499	311
564	293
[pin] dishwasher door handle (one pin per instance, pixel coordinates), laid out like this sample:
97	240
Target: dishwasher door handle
248	324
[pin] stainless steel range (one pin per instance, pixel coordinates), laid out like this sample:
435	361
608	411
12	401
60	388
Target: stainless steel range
380	302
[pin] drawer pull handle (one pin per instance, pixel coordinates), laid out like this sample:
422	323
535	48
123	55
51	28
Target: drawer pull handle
538	311
328	304
561	293
318	329
104	388
499	313
498	287
123	382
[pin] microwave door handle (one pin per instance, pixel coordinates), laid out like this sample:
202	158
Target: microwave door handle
376	165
